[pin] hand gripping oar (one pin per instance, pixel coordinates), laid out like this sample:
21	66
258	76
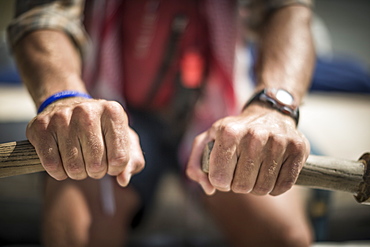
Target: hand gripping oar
17	158
328	173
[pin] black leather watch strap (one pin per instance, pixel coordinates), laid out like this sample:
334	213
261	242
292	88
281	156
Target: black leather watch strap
263	96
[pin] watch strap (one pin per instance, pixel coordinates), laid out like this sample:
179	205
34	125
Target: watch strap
262	96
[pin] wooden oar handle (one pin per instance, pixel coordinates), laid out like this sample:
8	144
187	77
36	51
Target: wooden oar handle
327	173
17	158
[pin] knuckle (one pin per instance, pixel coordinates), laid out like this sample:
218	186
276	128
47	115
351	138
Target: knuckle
248	167
139	165
261	190
72	154
278	141
84	113
267	180
240	188
38	125
219	180
286	183
51	167
258	135
61	116
73	166
297	146
229	130
118	161
114	109
39	120
285	186
114	106
59	121
95	169
80	109
75	170
95	147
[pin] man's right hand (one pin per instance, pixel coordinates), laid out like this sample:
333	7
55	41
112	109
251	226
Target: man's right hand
79	138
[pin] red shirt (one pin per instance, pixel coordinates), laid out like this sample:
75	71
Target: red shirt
148	35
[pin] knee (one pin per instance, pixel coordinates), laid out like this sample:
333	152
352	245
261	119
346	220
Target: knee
296	237
282	237
66	217
62	233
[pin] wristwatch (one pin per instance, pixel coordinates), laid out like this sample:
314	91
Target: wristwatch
278	99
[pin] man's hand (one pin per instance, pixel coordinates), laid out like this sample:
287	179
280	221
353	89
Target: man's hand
259	151
79	138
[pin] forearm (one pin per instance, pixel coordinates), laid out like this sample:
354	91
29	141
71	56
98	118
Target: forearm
286	52
48	63
75	138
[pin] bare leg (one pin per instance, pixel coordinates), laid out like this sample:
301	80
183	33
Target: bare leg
249	220
73	214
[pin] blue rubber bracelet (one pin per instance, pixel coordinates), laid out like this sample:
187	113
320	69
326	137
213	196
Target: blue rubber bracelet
61	95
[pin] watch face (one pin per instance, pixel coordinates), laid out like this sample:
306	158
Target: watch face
284	97
280	96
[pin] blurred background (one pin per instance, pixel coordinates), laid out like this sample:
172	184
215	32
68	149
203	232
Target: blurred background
335	117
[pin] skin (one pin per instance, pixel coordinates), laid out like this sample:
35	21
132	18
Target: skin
260	151
74	137
259	137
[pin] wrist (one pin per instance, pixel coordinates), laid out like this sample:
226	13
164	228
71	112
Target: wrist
276	99
42	88
61	95
263	109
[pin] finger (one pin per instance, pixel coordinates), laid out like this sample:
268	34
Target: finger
223	158
91	140
116	137
248	164
136	154
193	169
47	150
71	155
273	158
46	146
136	163
295	157
66	134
